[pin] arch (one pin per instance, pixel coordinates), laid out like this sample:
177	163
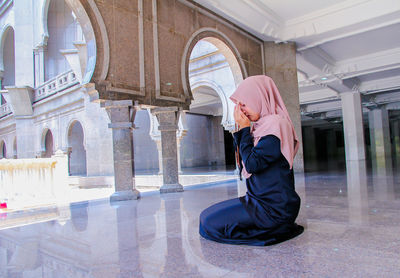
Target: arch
87	29
76	149
3	149
223	43
4	36
47	143
71	123
15	152
224	100
44	33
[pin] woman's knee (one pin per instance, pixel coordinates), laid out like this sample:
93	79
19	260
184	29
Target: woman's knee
209	220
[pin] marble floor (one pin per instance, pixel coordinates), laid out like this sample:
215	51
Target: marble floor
352	229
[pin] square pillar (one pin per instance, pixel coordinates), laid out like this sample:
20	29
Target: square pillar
396	141
353	126
122	115
309	146
39	54
357	191
168	125
381	152
280	65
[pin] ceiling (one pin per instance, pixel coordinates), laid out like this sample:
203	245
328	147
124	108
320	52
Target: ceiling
342	45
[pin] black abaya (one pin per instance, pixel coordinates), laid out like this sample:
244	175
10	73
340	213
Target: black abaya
266	214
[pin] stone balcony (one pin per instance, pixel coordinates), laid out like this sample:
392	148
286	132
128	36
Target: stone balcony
55	85
5	110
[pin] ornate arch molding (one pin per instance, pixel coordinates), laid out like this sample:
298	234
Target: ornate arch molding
70	125
43	139
87	15
223	43
4	32
224	99
44	32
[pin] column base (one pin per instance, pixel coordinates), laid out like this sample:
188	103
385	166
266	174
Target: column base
168	188
125	195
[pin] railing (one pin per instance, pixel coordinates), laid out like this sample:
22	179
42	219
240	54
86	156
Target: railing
57	84
5	110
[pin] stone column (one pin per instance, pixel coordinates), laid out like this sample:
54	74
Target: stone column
331	142
310	151
381	152
280	65
122	115
178	153
168	124
20	100
396	141
39	54
353	126
357	192
180	133
159	149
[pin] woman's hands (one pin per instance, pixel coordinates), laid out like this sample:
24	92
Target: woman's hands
240	118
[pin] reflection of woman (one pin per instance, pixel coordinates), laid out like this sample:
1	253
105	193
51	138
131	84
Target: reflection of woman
266	214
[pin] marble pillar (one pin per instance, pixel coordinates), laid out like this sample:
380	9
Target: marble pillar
396	141
39	54
353	126
381	150
159	150
122	115
178	153
310	149
331	144
357	191
168	124
280	65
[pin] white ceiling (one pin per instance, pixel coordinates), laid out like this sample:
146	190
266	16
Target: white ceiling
343	45
283	10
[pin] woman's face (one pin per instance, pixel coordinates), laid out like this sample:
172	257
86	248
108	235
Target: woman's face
252	115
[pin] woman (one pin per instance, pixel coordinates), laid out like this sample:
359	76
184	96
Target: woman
266	214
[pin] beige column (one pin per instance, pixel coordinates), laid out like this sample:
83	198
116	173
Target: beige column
168	124
122	115
280	65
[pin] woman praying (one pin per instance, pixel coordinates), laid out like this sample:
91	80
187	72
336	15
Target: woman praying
266	148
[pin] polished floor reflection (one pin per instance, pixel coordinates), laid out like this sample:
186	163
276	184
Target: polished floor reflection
352	230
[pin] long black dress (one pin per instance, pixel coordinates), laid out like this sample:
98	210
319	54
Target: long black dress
266	214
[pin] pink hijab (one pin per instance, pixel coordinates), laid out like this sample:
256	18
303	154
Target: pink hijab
261	95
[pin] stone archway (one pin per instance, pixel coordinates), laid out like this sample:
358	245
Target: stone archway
47	143
7	57
76	150
223	44
15	147
87	51
3	149
213	73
